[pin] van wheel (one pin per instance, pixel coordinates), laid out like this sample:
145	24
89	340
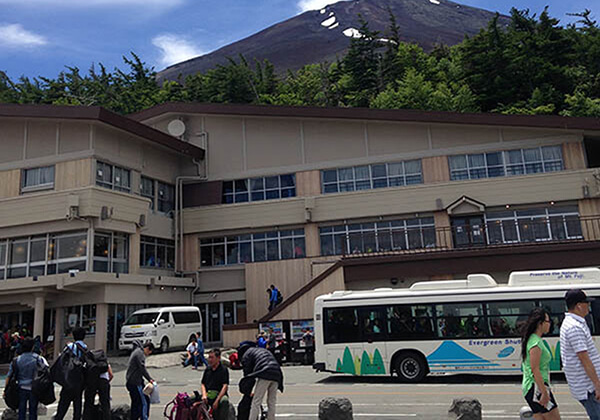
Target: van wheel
164	345
410	367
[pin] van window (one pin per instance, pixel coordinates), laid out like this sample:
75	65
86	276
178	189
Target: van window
147	318
188	317
165	316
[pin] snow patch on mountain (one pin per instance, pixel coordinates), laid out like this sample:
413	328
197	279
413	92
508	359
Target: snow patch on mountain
434	1
352	33
329	21
335	25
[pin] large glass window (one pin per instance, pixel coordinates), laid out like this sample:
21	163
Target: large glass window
113	177
381	175
409	322
259	189
147	190
507	318
341	325
506	163
38	179
111	252
533	225
393	235
157	253
256	247
166	197
461	320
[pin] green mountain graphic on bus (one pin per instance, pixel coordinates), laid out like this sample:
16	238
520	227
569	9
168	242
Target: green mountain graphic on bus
451	354
368	365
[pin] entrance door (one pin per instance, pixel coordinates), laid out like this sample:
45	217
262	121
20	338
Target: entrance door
374	333
468	231
214	322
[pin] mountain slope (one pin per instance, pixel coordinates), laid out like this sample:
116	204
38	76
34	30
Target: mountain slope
323	35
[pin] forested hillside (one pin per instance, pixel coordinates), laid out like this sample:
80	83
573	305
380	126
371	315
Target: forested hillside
535	66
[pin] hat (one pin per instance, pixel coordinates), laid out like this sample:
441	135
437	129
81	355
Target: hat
575	296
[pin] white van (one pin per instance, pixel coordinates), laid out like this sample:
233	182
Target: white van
165	327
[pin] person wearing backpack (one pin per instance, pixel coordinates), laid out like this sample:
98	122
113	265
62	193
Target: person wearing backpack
27	365
134	380
97	383
73	394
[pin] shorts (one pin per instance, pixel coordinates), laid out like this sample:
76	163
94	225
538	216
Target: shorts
536	408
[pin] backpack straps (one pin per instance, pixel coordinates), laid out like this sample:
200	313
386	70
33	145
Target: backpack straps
170	415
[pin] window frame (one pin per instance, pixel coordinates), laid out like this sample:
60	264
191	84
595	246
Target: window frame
41	186
113	184
154	243
247	190
111	260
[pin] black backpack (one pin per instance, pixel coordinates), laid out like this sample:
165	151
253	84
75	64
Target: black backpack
11	392
95	362
279	297
68	370
43	386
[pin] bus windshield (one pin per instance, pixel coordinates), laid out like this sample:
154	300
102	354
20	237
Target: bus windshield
145	318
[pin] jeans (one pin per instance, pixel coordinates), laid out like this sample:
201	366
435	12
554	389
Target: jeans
102	388
25	396
592	406
193	358
66	397
140	403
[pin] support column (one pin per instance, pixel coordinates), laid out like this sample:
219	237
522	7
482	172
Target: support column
101	326
134	252
59	320
38	316
312	240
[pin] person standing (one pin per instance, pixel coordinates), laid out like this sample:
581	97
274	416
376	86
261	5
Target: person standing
272	341
309	345
579	356
273	298
27	366
100	386
215	383
536	367
200	350
74	393
134	380
259	363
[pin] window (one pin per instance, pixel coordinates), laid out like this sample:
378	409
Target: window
394	235
157	253
3	254
111	252
36	179
67	252
506	318
367	177
461	320
259	189
266	246
147	190
407	322
506	163
534	225
80	316
341	325
113	177
186	317
166	197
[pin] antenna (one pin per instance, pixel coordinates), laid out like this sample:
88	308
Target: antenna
176	128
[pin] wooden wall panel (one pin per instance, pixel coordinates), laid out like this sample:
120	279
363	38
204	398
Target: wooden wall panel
589	209
443	232
73	174
574	155
191	258
435	169
10	183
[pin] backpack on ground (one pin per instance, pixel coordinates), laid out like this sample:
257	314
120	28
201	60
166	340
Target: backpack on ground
279	297
68	370
180	408
43	386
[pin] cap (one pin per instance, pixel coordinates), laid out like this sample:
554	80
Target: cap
575	296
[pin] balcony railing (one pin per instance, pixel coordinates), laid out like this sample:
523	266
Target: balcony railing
490	234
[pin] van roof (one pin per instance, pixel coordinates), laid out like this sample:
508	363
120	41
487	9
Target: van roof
167	308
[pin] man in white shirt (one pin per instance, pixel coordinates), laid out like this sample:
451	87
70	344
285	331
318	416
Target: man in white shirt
580	358
192	352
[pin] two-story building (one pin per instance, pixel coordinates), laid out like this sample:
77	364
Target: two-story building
309	199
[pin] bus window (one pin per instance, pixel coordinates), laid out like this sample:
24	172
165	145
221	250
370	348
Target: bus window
556	308
409	321
372	324
506	318
595	315
341	325
460	320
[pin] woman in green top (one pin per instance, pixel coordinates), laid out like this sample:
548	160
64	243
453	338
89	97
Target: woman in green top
536	367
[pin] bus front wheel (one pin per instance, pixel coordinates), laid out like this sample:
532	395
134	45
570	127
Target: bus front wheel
411	367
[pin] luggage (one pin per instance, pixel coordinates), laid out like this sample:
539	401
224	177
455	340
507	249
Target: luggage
43	386
11	392
68	370
179	408
95	361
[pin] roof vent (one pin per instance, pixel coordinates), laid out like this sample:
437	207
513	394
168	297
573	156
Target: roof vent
176	128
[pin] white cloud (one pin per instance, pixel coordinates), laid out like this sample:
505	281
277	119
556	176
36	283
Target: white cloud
305	5
175	49
15	36
87	3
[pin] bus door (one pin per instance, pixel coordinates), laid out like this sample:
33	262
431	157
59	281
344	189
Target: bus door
373	327
342	340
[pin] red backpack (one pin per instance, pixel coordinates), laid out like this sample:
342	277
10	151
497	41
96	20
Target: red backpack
181	407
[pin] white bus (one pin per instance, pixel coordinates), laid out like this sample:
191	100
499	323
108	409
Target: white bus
444	327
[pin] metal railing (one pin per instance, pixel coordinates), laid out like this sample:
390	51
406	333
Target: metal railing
490	234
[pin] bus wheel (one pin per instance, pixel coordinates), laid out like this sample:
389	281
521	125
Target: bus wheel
164	345
410	367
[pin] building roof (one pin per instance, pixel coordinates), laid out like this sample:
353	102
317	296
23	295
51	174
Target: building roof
398	115
100	114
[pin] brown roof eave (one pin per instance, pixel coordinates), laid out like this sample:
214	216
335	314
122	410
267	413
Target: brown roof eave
397	115
96	113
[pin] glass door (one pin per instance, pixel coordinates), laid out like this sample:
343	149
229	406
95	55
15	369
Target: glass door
468	231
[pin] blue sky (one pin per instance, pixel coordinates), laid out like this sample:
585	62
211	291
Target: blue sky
40	37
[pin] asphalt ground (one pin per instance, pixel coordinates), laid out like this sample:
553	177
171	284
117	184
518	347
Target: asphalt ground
372	397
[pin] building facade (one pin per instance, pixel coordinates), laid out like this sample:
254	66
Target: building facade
311	200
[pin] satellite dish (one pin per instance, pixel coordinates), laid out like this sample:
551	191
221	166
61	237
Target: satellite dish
176	128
